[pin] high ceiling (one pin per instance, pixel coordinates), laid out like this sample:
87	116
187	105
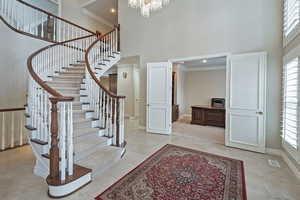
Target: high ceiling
102	9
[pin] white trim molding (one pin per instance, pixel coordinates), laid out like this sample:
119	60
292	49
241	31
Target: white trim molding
85	4
286	159
96	17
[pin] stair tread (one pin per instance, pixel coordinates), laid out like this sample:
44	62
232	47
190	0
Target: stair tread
68	77
85	131
102	157
82	120
82	111
66	88
87	142
74	72
74	95
65	81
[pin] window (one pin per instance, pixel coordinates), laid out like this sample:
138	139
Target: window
290	103
291	20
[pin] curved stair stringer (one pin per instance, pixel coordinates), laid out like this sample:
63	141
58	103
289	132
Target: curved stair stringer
41	167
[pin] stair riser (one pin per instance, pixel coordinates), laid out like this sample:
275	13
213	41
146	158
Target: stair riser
84	99
88	124
66	84
68	91
85	115
76	69
82	125
83	92
67	74
40	148
77	107
65	78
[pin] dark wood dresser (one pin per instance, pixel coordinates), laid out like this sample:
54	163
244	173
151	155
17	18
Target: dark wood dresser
208	116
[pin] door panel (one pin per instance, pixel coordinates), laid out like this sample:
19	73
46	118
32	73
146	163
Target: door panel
245	108
245	82
159	85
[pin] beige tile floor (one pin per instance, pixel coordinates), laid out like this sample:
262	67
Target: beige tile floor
263	182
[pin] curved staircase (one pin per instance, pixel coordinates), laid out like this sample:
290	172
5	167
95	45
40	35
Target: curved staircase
76	125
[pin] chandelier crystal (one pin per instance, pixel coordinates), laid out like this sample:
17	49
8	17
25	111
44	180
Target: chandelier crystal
147	6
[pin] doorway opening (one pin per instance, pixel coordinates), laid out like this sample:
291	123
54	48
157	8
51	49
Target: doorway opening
198	97
245	99
123	79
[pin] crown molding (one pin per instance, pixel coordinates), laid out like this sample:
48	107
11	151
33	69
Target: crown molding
97	18
54	1
87	3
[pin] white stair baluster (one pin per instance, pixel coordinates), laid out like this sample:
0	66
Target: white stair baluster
3	132
70	140
21	129
12	134
62	140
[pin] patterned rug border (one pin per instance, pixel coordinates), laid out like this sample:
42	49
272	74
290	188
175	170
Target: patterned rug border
189	149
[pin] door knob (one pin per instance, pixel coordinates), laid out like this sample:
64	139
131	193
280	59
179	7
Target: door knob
260	113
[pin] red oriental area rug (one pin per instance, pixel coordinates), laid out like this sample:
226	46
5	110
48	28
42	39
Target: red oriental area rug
177	173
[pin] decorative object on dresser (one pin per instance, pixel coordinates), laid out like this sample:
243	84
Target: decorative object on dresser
175	107
175	113
218	102
208	116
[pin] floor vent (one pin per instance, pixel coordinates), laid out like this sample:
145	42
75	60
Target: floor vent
274	163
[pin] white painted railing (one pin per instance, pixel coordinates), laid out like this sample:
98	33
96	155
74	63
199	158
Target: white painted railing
33	21
12	128
108	107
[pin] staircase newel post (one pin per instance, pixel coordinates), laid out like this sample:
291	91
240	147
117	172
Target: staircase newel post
54	150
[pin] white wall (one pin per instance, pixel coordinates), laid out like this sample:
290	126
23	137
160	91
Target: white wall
14	51
45	5
201	86
72	11
193	28
126	87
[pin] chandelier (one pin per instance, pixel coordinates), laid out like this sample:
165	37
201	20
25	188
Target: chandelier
147	6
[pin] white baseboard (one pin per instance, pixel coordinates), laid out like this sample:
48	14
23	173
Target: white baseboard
284	156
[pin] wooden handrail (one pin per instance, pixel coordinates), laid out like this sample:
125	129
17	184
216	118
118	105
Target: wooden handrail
25	33
50	14
91	71
42	83
11	109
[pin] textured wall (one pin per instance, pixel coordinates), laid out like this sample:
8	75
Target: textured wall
193	28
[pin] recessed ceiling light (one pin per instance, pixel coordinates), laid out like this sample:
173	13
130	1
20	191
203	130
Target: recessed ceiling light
204	61
112	10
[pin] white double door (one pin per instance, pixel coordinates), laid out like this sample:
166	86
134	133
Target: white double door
159	98
245	100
